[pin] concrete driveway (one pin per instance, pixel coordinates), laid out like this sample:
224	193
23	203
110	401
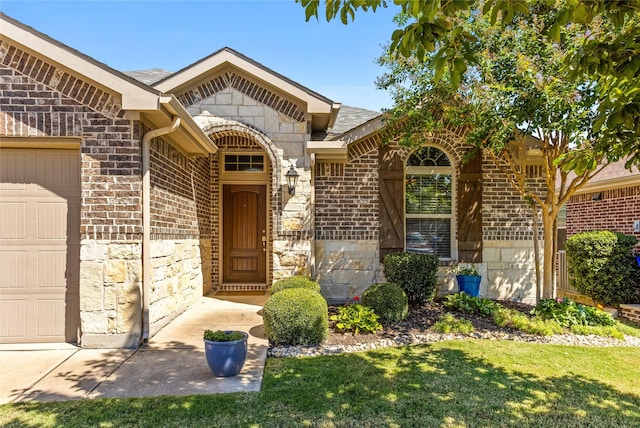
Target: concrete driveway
173	362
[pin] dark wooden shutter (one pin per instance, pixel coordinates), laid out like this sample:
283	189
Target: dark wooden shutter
470	211
391	175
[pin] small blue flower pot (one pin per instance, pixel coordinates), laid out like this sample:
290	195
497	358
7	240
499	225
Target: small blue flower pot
638	260
226	359
469	284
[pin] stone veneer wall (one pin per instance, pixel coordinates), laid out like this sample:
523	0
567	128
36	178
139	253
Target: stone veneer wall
282	132
42	100
346	226
180	232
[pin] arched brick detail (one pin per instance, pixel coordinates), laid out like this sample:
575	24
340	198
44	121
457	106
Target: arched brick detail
231	135
449	139
247	87
364	146
217	129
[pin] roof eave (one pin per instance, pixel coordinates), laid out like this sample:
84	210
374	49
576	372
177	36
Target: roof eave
196	136
613	183
336	151
135	95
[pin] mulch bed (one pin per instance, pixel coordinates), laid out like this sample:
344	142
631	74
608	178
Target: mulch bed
419	320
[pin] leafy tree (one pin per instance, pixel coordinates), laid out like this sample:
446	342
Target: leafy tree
606	54
516	88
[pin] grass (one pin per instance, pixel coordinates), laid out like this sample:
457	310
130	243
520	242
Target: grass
448	384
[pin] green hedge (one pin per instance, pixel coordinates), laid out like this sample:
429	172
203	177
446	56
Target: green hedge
387	300
601	266
296	316
416	274
295	282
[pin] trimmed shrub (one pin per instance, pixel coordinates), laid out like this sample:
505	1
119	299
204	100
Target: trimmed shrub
296	316
295	282
387	300
416	274
601	266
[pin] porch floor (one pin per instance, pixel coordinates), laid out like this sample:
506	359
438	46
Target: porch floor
173	362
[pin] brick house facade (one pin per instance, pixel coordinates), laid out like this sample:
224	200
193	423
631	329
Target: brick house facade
181	192
610	201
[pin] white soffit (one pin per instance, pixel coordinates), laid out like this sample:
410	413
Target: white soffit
328	150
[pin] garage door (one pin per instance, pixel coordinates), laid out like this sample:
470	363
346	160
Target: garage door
39	245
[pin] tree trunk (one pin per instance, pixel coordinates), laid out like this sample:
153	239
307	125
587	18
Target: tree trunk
536	249
548	291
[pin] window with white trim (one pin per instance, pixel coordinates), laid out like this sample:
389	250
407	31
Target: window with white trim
244	162
429	202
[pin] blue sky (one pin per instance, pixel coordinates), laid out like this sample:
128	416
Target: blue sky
335	60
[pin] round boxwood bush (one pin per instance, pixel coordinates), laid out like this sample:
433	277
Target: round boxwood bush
296	316
295	282
416	274
601	266
387	300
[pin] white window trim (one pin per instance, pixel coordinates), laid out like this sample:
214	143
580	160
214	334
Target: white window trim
430	170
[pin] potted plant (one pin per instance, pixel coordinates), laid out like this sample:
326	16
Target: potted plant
226	351
468	279
636	252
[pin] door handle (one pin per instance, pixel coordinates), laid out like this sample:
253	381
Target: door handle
264	243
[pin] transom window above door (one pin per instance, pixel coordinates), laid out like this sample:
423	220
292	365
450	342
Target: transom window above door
429	202
244	163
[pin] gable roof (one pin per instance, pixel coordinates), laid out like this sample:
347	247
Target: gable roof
323	111
150	76
613	176
138	100
349	118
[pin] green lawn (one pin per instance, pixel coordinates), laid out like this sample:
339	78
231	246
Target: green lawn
450	384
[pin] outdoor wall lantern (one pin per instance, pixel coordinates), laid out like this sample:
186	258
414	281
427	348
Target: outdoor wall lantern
292	179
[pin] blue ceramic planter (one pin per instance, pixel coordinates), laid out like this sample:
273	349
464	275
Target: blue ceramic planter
226	359
469	284
638	260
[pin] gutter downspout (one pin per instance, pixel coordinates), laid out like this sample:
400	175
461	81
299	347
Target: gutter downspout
146	221
312	215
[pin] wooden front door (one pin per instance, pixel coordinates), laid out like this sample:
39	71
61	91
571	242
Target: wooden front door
244	234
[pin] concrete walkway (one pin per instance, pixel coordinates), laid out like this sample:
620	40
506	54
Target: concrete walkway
173	362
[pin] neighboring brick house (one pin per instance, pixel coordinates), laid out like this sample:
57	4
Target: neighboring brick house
123	203
609	201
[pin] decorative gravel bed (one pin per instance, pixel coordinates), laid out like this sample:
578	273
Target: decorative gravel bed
415	330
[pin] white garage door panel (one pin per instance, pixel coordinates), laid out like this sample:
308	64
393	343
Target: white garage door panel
14	320
39	241
13	265
12	171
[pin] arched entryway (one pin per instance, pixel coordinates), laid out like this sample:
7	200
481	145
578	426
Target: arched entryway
244	197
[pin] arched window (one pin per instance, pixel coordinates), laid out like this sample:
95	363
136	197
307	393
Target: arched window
429	202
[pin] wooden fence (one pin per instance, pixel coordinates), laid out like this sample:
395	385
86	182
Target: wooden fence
563	287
